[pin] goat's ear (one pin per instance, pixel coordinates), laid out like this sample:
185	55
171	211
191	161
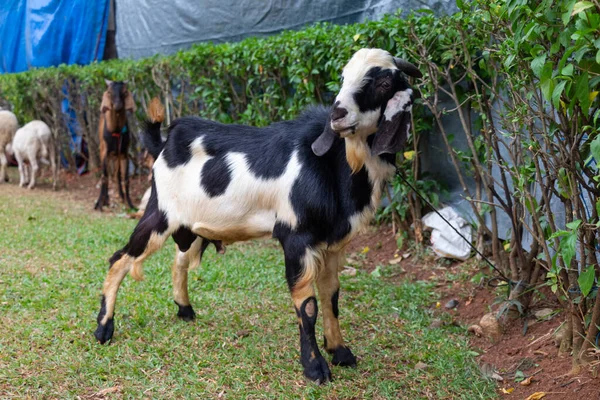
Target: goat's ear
108	82
106	102
129	103
408	68
324	142
394	128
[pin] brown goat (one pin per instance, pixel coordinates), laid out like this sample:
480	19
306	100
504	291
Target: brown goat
113	132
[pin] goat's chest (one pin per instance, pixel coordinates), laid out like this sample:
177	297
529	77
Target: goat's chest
378	172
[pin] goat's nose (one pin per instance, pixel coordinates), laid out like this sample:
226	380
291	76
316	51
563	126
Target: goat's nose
338	113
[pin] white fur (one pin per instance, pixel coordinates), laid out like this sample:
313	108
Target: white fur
398	103
249	207
8	127
32	143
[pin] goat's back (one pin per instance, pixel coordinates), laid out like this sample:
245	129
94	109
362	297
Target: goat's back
8	127
32	138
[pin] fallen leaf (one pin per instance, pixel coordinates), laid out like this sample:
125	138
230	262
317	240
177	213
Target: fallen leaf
536	396
540	353
508	391
405	255
421	365
376	272
106	391
488	371
438	304
395	260
476	330
526	382
365	250
350	271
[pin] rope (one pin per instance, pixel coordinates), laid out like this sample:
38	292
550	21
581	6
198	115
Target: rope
502	277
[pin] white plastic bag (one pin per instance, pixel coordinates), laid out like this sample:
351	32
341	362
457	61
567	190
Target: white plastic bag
444	240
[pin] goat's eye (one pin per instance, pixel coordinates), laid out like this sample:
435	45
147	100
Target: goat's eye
385	85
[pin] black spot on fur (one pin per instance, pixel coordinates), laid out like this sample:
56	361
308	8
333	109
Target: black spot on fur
186	313
184	238
104	333
380	86
334	303
215	176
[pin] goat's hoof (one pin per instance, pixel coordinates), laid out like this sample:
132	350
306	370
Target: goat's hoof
105	332
186	313
98	206
317	370
343	357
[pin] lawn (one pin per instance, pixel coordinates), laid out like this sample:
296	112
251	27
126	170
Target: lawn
243	344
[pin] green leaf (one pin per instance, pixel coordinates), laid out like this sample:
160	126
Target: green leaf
595	149
557	92
581	6
586	280
537	64
574	225
567	70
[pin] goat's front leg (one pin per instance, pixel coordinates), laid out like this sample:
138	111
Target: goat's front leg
301	265
328	285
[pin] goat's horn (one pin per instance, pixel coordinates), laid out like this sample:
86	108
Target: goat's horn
407	68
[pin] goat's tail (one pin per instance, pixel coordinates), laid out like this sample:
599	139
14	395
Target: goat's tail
151	136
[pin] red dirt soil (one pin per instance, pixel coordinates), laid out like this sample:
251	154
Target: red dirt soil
533	353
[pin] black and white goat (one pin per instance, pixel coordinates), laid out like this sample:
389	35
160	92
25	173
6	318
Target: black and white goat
312	183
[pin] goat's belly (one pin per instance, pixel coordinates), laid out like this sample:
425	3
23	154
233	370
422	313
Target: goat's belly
255	226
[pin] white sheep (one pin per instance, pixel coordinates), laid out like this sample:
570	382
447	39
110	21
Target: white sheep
8	127
34	142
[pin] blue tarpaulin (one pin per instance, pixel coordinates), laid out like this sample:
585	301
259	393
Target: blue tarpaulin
43	33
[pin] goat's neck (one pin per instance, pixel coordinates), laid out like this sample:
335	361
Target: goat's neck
115	121
358	154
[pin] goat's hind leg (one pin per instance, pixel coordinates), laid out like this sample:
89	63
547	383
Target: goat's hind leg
147	237
190	249
3	164
328	285
103	197
124	168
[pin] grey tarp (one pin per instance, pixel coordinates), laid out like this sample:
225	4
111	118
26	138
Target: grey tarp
148	27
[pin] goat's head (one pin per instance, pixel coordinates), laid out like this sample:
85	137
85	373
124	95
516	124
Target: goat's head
117	99
374	97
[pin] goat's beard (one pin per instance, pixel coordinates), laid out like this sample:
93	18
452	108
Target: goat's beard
357	152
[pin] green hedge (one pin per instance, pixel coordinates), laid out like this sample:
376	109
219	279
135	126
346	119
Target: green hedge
255	81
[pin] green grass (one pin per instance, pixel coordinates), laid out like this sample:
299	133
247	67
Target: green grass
243	344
